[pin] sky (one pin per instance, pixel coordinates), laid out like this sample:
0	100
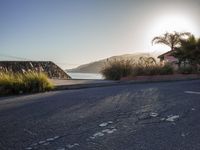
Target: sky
75	32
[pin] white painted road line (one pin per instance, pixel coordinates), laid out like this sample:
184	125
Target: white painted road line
192	92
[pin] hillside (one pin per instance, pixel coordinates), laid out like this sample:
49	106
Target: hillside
95	67
50	68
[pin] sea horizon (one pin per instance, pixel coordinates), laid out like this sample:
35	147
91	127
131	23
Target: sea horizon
78	75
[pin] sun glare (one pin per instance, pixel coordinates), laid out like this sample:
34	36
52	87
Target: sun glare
170	23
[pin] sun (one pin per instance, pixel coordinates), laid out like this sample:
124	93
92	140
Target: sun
170	23
173	22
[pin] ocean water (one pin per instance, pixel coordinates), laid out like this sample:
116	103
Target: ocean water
85	75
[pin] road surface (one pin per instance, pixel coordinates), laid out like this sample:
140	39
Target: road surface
151	116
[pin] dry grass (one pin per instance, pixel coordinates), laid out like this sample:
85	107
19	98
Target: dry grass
115	70
15	83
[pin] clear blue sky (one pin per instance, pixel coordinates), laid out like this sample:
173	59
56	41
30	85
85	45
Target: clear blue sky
73	32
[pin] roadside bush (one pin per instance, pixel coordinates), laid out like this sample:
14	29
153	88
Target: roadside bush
30	82
186	70
146	66
115	70
36	82
139	70
167	69
153	70
7	80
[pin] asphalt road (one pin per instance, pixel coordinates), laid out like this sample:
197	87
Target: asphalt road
151	116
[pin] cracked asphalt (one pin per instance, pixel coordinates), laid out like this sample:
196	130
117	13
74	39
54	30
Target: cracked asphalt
147	116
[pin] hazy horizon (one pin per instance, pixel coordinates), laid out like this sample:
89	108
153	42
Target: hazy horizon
75	32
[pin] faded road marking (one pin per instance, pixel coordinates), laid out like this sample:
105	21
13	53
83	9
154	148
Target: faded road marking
98	134
43	142
102	133
192	92
153	114
109	131
172	118
105	123
72	145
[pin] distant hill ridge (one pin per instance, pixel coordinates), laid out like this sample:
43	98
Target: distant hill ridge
95	67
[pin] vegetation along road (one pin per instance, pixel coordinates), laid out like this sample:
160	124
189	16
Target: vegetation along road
148	116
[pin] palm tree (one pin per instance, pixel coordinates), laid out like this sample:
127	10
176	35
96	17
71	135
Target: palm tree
189	51
170	39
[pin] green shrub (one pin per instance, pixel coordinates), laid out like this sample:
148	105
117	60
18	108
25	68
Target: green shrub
30	82
115	70
36	82
146	66
167	69
153	70
138	70
186	70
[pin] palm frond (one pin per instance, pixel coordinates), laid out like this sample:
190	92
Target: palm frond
170	39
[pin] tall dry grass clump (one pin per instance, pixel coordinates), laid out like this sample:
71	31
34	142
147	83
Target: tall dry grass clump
148	66
30	82
116	69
